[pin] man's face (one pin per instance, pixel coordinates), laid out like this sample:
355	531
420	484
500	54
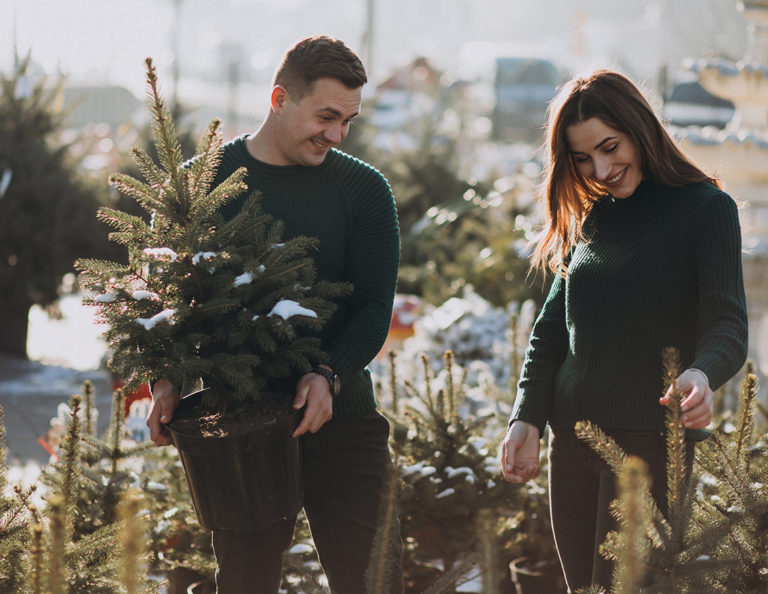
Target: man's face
307	129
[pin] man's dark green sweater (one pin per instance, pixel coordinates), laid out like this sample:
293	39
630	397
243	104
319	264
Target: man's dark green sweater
348	206
661	268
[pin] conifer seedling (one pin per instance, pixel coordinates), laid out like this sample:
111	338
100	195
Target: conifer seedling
202	297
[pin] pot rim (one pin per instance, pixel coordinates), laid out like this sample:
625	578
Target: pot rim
518	566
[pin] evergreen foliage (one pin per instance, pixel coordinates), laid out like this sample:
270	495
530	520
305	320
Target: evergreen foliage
455	230
713	538
107	474
634	547
132	540
474	237
198	298
456	576
46	208
724	513
37	552
84	545
489	564
187	139
89	537
177	543
385	550
14	527
732	510
449	476
88	474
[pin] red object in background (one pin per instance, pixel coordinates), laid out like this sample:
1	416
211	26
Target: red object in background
405	311
47	447
141	392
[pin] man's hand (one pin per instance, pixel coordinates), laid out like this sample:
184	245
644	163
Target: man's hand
697	404
165	398
519	455
312	391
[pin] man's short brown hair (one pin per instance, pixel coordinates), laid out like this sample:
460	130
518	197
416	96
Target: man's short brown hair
319	57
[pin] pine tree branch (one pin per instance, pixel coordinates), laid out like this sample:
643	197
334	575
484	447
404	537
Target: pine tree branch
746	419
169	150
150	198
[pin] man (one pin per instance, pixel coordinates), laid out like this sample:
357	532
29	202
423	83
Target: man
318	191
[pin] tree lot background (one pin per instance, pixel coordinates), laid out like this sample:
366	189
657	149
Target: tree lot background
465	227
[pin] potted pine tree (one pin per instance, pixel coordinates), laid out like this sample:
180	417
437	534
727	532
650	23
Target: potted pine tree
225	309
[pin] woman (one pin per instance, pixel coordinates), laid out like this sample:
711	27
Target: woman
646	250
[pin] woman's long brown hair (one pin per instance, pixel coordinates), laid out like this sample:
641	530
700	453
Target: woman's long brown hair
569	197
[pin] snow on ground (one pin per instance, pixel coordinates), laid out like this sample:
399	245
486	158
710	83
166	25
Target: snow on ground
74	341
64	353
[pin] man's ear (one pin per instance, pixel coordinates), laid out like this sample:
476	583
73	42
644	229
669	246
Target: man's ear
279	98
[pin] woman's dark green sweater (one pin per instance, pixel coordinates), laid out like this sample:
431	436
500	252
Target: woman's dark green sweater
661	268
347	205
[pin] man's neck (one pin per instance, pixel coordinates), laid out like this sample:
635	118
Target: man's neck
258	144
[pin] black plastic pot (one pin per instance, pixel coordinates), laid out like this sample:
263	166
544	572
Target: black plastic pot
245	482
530	579
180	579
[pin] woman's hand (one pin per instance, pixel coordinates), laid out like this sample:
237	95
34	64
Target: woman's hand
698	398
519	454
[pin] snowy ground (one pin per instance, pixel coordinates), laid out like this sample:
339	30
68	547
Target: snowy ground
74	341
64	354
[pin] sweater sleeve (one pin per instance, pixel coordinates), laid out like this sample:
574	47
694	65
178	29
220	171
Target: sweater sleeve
721	324
546	352
373	256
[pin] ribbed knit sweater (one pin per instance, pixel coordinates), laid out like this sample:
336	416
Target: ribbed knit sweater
660	268
348	206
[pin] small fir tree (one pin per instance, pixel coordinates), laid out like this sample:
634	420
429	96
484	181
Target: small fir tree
227	301
132	541
14	527
72	545
47	207
177	544
92	474
733	495
81	549
489	563
634	547
448	476
386	548
713	538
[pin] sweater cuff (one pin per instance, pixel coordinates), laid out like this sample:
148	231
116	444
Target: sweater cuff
704	375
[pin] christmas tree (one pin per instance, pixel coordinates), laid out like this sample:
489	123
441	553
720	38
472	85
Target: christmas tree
448	475
713	537
204	298
731	514
14	527
47	207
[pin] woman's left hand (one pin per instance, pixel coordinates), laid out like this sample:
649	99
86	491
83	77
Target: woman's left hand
697	398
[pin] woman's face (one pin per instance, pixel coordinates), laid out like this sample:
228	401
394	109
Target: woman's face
606	156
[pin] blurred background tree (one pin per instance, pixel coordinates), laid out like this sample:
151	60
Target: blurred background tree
456	229
47	209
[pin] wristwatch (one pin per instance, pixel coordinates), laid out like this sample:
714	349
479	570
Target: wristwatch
334	381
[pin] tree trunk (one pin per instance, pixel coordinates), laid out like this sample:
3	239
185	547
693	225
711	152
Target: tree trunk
14	324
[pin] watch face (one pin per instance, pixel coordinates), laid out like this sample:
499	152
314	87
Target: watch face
336	384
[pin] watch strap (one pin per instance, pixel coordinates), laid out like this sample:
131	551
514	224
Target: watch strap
329	375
